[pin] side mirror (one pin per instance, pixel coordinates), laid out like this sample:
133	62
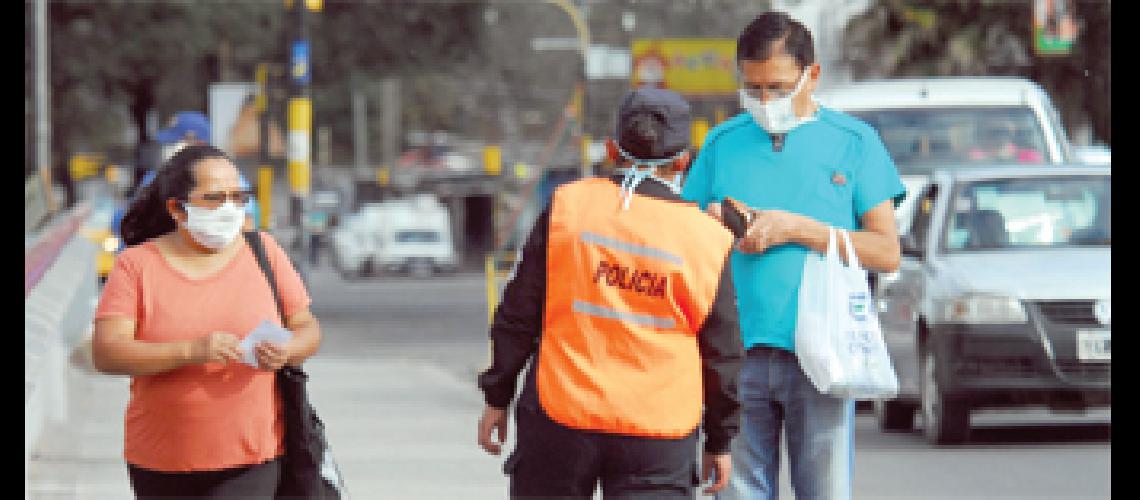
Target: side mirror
909	246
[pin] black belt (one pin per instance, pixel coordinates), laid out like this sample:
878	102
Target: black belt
759	348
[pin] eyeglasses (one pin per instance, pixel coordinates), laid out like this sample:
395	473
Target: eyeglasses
772	90
766	92
217	198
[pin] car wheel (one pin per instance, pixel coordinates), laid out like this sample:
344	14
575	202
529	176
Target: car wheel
895	416
945	420
420	268
339	266
365	269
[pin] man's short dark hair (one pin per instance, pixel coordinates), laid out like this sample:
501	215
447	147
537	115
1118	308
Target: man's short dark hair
758	40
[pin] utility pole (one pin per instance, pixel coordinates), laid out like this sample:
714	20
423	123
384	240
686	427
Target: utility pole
578	15
391	130
300	118
43	122
359	133
264	170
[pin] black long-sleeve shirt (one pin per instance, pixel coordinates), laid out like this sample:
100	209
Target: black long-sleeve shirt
517	326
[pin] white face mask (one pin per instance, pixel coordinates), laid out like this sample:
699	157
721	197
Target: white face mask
776	116
214	228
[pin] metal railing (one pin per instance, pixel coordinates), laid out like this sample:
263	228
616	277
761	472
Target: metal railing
43	252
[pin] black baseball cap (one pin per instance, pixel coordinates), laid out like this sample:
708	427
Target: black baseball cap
653	123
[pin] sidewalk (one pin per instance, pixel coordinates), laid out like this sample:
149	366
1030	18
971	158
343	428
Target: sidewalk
397	429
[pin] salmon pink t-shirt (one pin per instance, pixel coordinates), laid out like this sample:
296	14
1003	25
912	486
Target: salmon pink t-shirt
208	416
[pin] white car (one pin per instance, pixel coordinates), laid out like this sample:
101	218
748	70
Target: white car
1093	155
351	246
410	235
930	122
413	236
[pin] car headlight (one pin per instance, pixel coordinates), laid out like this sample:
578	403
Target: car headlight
111	244
980	308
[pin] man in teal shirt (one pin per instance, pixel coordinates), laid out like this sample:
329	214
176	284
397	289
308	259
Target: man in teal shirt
801	168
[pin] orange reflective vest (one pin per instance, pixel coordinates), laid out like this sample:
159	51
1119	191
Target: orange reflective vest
627	291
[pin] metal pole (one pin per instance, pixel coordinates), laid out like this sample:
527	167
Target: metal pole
390	117
43	121
360	132
264	170
578	18
300	118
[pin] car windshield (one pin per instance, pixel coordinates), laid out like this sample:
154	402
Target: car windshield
417	237
919	139
1030	213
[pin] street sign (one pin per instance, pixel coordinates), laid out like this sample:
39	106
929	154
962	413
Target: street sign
299	64
555	44
1054	27
691	66
224	107
604	62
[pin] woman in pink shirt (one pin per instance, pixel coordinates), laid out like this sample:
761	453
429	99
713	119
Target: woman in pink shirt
176	305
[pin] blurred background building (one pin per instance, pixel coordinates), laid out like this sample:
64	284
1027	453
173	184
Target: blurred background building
482	101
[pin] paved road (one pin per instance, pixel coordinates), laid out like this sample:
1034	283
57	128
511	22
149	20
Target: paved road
395	383
1028	454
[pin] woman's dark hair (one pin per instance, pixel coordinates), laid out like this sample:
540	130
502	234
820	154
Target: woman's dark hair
146	217
758	40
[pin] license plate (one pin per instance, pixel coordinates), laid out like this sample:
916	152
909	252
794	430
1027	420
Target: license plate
1094	345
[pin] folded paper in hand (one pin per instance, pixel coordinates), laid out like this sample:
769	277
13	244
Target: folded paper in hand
265	331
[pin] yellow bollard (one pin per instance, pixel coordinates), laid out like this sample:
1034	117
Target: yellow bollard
383	176
698	130
265	195
492	159
492	290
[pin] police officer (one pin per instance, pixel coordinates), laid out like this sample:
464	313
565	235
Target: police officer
622	301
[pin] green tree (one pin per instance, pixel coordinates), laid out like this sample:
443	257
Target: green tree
897	38
427	46
113	62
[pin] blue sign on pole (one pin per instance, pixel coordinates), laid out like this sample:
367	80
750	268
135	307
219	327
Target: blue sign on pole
299	66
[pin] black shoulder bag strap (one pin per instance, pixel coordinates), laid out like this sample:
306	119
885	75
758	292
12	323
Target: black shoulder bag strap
305	444
253	238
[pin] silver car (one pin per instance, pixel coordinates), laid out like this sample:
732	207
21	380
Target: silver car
1002	297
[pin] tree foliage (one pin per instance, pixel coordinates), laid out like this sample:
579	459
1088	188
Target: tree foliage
465	66
979	38
112	62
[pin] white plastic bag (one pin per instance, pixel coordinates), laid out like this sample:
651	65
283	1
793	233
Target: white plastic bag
838	341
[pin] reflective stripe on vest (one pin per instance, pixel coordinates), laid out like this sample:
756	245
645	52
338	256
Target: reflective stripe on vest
627	292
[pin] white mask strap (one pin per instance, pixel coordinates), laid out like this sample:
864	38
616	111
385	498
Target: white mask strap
635	175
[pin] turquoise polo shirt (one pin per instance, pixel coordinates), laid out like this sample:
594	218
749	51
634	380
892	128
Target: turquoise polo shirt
832	169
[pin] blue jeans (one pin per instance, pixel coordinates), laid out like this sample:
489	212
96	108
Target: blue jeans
775	394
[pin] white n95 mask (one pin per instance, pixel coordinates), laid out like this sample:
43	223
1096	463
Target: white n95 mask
777	116
214	228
